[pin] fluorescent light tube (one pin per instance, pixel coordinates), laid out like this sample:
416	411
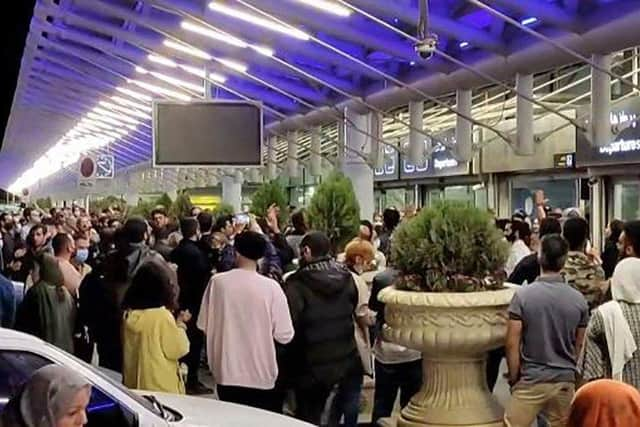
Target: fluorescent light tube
187	49
328	6
215	35
259	21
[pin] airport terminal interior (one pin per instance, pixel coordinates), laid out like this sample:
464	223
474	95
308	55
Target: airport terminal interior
412	213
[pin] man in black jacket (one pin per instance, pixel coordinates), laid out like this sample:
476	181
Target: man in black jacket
102	291
194	272
528	269
322	298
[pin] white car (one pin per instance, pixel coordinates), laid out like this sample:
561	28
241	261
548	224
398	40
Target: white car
112	404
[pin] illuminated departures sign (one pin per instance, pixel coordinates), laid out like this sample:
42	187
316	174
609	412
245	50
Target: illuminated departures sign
441	163
625	148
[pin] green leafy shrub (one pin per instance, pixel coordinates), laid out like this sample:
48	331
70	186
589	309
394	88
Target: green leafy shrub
164	201
268	194
222	209
109	202
450	247
181	207
334	210
142	209
44	203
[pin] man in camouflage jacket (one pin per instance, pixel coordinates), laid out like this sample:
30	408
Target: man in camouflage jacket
583	271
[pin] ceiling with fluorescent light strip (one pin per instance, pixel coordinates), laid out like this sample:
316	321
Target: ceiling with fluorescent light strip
91	67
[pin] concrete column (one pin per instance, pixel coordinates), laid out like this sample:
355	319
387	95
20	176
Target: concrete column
232	191
293	168
355	166
464	128
342	143
315	164
416	137
254	175
601	101
524	116
598	216
377	145
272	167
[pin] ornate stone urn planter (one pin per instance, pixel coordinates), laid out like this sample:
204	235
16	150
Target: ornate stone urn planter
454	331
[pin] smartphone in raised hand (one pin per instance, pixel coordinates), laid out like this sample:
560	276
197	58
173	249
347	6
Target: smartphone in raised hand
242	219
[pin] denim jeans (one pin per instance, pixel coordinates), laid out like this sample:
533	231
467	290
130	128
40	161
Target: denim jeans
347	402
391	378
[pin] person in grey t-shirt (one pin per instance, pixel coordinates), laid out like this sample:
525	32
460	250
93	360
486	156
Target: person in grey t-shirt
547	322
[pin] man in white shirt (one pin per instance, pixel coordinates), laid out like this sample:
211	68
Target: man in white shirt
520	238
33	217
243	315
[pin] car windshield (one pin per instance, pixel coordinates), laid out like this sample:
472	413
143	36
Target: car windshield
138	398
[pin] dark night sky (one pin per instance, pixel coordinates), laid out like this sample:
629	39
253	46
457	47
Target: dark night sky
15	26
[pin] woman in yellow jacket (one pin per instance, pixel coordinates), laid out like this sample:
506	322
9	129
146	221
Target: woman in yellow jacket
154	340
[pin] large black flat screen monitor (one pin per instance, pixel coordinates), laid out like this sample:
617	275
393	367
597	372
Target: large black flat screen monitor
217	133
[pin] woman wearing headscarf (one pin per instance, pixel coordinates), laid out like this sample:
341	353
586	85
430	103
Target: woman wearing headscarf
614	330
55	396
605	403
48	310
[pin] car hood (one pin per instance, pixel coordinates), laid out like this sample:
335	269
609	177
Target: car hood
201	412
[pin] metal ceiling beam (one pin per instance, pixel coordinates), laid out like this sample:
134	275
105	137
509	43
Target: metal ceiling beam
155	43
547	12
312	53
294	14
439	24
124	142
79	37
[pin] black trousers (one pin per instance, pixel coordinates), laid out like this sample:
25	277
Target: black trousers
311	402
192	359
269	400
493	366
391	378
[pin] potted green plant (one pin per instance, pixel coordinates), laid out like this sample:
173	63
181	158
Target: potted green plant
223	209
334	209
181	206
449	302
165	201
268	194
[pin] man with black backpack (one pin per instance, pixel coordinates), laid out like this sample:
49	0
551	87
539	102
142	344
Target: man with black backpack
102	291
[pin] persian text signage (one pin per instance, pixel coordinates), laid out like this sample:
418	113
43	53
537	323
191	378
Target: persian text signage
625	147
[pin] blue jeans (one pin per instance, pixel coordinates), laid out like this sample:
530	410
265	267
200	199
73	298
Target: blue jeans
347	402
391	378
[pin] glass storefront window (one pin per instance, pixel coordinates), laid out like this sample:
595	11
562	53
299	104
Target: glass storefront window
560	193
395	197
459	193
470	195
626	205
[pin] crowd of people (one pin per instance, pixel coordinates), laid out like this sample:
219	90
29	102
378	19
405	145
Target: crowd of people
273	311
287	326
561	337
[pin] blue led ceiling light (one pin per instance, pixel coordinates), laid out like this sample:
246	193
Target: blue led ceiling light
529	21
464	45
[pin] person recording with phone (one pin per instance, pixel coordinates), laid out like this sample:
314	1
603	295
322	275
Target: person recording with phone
225	230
